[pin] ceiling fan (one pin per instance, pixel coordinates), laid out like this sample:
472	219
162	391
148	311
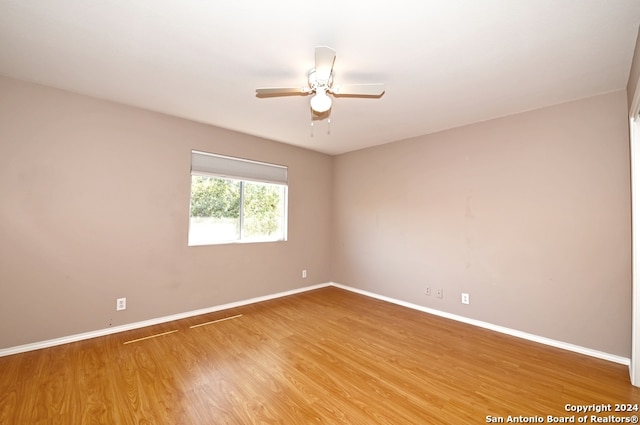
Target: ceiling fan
320	84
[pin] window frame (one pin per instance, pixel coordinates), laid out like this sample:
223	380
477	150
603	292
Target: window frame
244	171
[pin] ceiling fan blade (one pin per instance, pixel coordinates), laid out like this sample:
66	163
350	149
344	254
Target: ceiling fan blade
325	56
376	89
282	91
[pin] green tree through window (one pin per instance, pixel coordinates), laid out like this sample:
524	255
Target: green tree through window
214	197
262	209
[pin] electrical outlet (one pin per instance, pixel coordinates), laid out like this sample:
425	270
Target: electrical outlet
439	293
304	274
121	304
427	290
465	298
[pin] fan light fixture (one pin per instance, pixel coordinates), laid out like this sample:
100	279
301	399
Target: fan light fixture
320	102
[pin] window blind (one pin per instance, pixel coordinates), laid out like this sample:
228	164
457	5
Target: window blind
237	168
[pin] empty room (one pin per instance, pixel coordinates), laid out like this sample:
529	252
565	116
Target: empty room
319	213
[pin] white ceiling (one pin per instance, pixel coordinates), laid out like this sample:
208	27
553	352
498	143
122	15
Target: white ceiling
445	63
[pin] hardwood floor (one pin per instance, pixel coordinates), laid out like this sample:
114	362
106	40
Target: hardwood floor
322	357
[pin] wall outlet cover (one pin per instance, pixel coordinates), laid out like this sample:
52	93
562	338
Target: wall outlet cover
121	304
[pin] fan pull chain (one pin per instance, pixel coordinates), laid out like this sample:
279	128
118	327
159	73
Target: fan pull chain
328	127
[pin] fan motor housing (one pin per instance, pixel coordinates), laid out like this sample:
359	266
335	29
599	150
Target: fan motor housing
314	82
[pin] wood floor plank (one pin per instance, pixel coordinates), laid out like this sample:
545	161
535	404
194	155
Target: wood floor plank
323	357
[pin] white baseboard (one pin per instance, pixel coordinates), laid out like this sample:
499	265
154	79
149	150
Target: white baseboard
524	335
116	329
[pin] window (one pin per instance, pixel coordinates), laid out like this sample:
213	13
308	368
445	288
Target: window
236	200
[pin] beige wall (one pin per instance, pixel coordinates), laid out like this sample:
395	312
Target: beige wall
95	206
529	214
